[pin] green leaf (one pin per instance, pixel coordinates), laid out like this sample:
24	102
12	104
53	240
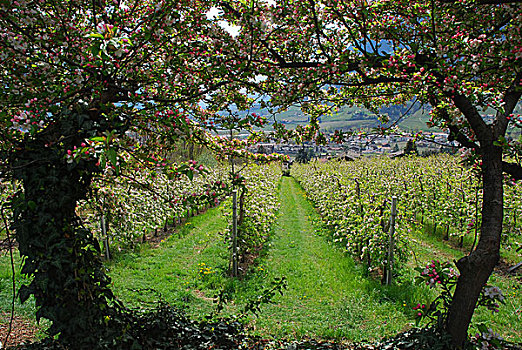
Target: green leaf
31	205
112	156
95	50
96	35
482	328
103	160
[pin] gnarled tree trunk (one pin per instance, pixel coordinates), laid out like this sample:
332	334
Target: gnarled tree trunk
476	268
68	283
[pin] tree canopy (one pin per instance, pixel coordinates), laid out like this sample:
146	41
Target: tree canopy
85	87
76	77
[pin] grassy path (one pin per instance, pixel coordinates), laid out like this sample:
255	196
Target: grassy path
327	296
176	269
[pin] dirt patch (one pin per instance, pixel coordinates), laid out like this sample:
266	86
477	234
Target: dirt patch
503	267
23	330
201	295
156	237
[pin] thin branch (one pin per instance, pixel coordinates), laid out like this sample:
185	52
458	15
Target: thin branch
146	187
511	98
370	81
319	32
191	97
514	170
485	2
348	27
433	28
404	114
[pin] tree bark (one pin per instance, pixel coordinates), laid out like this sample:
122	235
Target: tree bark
476	268
69	283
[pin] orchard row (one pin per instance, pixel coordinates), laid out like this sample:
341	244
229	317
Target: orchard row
146	202
354	200
257	206
141	204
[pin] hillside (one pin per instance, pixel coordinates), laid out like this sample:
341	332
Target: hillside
411	118
347	118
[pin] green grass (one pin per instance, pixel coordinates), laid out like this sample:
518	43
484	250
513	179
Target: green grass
173	269
6	288
426	246
329	296
26	310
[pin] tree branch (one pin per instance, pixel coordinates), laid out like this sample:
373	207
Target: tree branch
457	135
369	81
474	118
190	96
514	170
511	98
485	2
455	131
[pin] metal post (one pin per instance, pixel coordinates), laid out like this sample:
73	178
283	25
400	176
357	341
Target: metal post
234	234
105	238
391	245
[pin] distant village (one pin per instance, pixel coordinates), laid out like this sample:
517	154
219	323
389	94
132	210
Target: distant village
359	146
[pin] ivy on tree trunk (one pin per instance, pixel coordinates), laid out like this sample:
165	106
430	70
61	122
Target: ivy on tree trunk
69	283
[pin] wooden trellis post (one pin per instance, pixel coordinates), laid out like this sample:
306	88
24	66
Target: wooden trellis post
105	237
391	246
234	234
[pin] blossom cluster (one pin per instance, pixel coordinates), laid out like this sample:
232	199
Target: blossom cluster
486	339
491	296
436	272
419	309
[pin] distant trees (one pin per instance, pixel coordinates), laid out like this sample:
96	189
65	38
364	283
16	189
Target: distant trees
304	155
411	148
